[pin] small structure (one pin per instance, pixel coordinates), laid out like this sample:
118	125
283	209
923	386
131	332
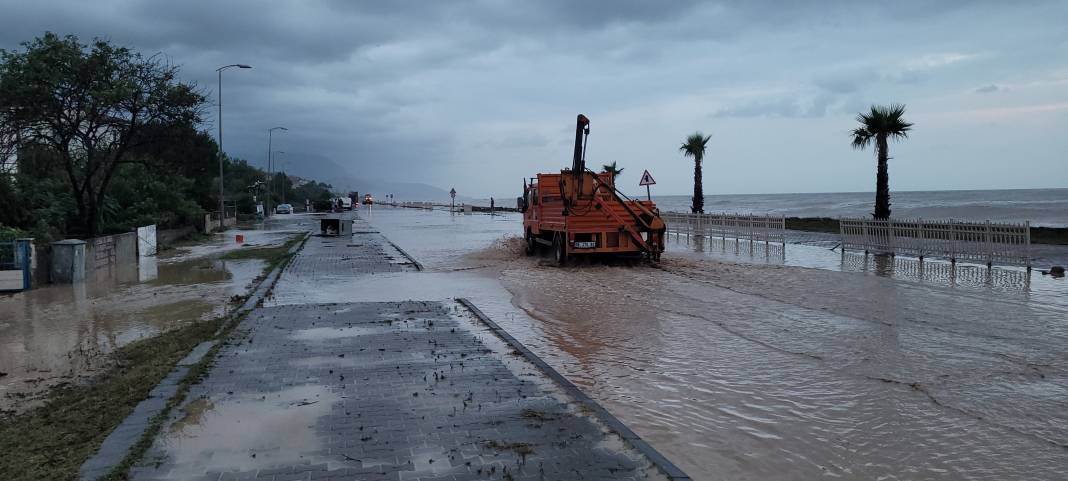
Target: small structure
68	261
335	226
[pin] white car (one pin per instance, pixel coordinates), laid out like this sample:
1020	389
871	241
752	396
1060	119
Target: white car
283	209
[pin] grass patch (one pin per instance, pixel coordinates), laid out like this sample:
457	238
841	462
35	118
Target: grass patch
812	224
273	256
1049	235
53	440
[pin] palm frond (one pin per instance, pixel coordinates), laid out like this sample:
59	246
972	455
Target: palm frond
695	145
612	169
861	138
886	120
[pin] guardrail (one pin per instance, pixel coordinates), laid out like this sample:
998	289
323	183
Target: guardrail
744	227
988	243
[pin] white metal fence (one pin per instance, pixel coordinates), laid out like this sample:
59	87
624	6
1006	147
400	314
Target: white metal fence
744	227
986	243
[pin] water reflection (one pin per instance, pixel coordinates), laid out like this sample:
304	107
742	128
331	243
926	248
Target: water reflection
938	272
59	333
767	366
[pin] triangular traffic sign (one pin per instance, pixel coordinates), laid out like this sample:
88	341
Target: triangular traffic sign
647	179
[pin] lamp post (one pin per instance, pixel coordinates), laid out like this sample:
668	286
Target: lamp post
270	178
222	191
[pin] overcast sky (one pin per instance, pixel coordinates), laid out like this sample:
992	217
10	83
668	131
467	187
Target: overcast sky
477	94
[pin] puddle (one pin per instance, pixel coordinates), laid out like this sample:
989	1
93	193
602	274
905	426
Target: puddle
245	432
61	333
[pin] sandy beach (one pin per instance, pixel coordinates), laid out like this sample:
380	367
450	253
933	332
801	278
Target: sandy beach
740	367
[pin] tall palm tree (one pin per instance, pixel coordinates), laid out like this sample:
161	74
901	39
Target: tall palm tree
612	169
695	147
879	125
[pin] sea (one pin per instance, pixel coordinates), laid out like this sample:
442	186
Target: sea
1041	207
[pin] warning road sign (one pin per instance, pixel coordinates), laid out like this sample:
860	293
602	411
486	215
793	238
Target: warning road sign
647	179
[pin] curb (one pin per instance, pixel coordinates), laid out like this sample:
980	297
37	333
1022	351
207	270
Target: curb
669	469
417	264
117	445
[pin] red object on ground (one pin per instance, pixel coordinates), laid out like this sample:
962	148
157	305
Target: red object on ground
240	238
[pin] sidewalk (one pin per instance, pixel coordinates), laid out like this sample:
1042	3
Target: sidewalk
379	390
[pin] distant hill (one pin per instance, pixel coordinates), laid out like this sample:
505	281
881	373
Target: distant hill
323	169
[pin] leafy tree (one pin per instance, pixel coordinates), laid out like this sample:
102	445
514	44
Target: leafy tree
878	125
91	106
613	169
695	147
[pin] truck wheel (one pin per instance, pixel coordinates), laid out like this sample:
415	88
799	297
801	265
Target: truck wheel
560	249
531	244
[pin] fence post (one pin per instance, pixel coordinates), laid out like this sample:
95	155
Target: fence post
1027	246
922	243
24	260
891	237
989	244
767	226
952	242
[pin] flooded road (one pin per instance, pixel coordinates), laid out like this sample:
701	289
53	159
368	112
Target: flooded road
740	367
58	334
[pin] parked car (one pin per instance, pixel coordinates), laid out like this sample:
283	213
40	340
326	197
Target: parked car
283	209
346	203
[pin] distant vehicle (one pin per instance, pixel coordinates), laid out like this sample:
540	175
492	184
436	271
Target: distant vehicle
283	209
368	200
346	203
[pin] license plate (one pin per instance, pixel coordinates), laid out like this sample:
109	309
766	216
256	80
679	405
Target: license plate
585	245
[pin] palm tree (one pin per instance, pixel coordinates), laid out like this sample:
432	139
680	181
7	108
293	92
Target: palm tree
880	124
695	147
612	169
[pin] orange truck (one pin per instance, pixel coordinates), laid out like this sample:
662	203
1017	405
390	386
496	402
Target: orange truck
578	212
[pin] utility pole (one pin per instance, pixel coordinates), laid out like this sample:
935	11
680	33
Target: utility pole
270	177
222	190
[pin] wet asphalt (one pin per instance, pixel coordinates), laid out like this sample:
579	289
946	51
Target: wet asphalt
401	390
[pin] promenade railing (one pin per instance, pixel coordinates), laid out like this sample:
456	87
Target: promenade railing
743	227
987	242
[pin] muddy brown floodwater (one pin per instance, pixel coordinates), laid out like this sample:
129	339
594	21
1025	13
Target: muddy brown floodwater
59	334
741	367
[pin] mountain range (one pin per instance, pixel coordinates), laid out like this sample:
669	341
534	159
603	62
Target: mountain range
322	169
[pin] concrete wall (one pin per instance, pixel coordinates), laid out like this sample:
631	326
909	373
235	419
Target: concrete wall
107	252
211	222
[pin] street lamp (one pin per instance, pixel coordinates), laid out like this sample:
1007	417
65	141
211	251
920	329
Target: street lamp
222	192
270	178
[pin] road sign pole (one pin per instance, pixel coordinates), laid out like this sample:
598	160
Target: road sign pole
648	196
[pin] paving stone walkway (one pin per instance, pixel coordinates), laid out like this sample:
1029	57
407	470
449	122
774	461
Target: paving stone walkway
377	391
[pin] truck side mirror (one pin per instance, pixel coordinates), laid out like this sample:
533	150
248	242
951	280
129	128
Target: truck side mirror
521	204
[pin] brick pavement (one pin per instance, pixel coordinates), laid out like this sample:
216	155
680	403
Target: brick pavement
377	391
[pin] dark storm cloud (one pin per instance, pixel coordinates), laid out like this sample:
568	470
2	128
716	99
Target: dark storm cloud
425	86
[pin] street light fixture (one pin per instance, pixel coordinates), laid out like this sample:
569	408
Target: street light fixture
222	191
270	172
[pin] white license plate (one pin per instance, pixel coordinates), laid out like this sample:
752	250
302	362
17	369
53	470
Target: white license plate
585	245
